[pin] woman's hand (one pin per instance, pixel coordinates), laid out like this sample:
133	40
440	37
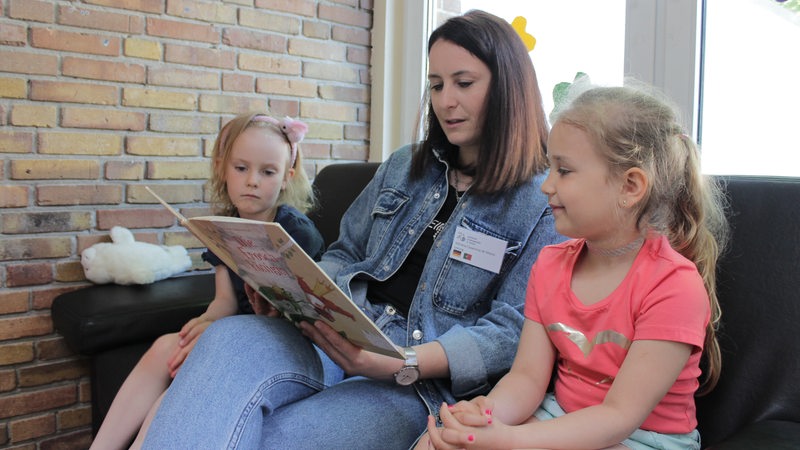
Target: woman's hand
351	358
260	305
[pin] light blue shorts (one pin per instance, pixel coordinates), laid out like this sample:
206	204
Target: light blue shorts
639	440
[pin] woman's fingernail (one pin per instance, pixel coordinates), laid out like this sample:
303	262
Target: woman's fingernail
471	437
488	412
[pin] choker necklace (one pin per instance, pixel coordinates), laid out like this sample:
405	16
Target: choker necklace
619	251
459	192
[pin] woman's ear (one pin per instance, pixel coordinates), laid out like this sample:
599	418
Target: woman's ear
634	186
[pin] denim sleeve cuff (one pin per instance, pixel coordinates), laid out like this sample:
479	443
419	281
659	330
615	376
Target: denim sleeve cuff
468	374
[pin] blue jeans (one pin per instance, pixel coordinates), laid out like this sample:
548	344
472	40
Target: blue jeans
255	382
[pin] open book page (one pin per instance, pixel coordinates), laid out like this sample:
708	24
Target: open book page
269	260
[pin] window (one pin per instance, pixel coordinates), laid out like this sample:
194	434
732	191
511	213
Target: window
729	64
577	36
750	94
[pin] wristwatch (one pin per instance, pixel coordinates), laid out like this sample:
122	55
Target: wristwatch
410	371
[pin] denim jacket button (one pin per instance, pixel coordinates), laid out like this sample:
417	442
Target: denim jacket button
390	310
416	335
436	195
423	286
411	232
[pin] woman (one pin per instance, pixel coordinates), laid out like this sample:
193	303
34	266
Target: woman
474	178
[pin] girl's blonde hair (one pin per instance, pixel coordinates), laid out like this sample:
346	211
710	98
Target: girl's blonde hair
298	192
636	127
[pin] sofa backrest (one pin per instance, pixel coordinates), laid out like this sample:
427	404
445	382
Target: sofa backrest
759	291
336	186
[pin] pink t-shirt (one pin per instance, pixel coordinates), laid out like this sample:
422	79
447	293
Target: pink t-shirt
661	298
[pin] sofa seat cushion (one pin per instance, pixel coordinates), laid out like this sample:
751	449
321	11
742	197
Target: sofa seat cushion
101	317
769	434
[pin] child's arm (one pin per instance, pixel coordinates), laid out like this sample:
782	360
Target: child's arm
512	401
223	305
649	370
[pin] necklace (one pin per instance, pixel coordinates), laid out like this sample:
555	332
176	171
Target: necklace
619	251
459	192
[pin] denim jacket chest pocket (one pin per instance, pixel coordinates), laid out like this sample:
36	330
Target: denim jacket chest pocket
466	290
387	205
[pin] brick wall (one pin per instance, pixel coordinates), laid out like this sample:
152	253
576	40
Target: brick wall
99	98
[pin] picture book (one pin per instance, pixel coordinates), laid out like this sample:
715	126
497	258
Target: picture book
275	266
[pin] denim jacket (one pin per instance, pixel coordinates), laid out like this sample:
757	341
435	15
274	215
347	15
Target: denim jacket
474	314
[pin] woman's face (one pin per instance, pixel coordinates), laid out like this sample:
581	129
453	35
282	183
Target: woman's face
459	84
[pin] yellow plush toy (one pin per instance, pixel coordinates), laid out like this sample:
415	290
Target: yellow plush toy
126	261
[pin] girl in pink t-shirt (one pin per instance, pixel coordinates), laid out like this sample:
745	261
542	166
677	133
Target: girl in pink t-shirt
626	308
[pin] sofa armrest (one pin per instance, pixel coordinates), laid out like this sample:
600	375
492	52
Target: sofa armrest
101	317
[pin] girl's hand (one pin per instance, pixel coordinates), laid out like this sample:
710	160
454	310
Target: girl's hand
260	305
487	433
475	413
351	358
186	344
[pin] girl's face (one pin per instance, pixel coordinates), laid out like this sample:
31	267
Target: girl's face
256	172
459	84
581	193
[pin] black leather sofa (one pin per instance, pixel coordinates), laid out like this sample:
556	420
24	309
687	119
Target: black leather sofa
756	404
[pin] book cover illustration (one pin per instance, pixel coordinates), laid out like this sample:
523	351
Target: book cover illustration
270	261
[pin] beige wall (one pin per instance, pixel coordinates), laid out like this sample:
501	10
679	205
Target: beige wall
99	98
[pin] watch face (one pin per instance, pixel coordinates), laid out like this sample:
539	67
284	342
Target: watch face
406	376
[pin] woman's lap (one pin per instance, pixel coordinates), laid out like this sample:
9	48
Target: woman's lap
254	382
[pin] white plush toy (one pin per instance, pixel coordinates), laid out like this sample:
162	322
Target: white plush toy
126	261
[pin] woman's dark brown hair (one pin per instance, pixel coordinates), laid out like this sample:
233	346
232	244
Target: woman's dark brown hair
514	136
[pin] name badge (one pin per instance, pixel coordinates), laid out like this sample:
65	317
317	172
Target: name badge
478	249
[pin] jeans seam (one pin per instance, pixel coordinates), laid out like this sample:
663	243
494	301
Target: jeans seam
258	395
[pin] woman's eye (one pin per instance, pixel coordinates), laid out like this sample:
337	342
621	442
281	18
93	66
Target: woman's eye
562	171
464	84
239	168
269	172
436	87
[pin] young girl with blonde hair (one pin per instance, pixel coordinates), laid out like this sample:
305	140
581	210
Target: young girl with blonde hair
624	309
256	174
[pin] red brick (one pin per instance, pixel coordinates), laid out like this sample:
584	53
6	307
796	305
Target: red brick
243	38
75	417
13	196
8	382
35	248
48	373
78	194
358	36
75	42
104	119
32	427
149	6
135	218
182	30
301	7
33	10
17	61
237	82
55	348
23	327
214	12
16	353
92	18
60	91
28	274
79	439
14	35
103	70
173	76
196	56
36	401
345	15
13	301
